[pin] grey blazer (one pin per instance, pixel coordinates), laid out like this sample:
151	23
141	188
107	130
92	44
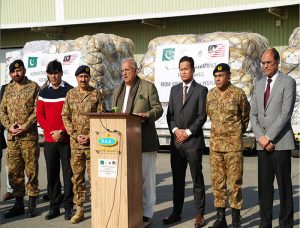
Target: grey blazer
275	121
191	114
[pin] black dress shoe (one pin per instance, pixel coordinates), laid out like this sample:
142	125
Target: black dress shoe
219	223
53	213
68	213
145	219
46	197
31	214
171	219
31	207
14	211
7	196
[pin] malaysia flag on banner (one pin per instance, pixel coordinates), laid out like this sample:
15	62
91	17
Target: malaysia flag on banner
216	50
68	59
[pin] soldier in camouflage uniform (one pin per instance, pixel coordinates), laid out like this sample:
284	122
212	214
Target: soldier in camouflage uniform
81	99
17	113
228	108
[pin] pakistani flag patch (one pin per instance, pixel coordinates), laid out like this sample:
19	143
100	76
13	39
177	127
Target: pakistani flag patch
32	62
168	54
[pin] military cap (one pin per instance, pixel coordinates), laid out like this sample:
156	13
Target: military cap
82	70
16	64
221	67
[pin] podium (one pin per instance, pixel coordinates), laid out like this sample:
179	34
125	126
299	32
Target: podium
116	170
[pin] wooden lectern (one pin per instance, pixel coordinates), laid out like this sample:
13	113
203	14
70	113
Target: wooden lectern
116	170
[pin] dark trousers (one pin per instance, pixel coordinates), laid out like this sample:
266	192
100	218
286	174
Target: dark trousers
277	163
179	161
54	154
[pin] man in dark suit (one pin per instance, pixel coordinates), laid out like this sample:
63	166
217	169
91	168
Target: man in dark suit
186	116
272	106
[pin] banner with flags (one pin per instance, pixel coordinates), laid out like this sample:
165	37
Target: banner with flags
36	64
206	57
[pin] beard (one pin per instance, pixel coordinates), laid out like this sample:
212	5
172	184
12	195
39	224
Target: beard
18	78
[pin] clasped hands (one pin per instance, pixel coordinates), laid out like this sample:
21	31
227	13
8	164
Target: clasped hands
56	135
181	135
16	129
83	139
266	144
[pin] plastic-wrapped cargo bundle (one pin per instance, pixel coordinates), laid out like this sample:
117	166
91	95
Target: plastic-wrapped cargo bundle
103	53
245	50
290	59
148	61
50	46
294	40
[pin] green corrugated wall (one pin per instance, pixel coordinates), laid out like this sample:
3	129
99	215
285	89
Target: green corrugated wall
258	21
26	11
110	8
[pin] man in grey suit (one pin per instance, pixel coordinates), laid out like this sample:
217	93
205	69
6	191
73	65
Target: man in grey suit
186	116
272	106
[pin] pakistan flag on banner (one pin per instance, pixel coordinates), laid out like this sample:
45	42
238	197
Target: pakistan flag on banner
32	62
168	54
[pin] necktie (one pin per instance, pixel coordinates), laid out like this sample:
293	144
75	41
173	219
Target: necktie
267	93
184	93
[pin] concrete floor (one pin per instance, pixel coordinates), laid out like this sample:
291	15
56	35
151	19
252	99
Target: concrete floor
250	217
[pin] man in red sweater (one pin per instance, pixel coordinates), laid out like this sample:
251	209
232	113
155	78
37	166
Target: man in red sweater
57	141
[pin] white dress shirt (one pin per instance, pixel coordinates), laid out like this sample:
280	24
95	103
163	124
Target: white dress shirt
188	132
272	82
125	99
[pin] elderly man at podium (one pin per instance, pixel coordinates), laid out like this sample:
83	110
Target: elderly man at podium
140	97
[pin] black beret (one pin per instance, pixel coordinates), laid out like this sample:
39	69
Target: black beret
16	64
83	69
221	67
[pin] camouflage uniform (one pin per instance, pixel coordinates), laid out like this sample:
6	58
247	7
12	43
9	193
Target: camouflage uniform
76	124
18	105
229	115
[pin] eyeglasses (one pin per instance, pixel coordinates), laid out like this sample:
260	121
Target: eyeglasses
126	70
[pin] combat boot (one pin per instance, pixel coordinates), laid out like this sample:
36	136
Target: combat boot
221	220
79	215
31	207
236	218
17	209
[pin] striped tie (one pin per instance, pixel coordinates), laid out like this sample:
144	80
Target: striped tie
185	93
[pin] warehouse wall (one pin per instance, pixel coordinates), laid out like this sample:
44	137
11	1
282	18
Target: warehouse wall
258	21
